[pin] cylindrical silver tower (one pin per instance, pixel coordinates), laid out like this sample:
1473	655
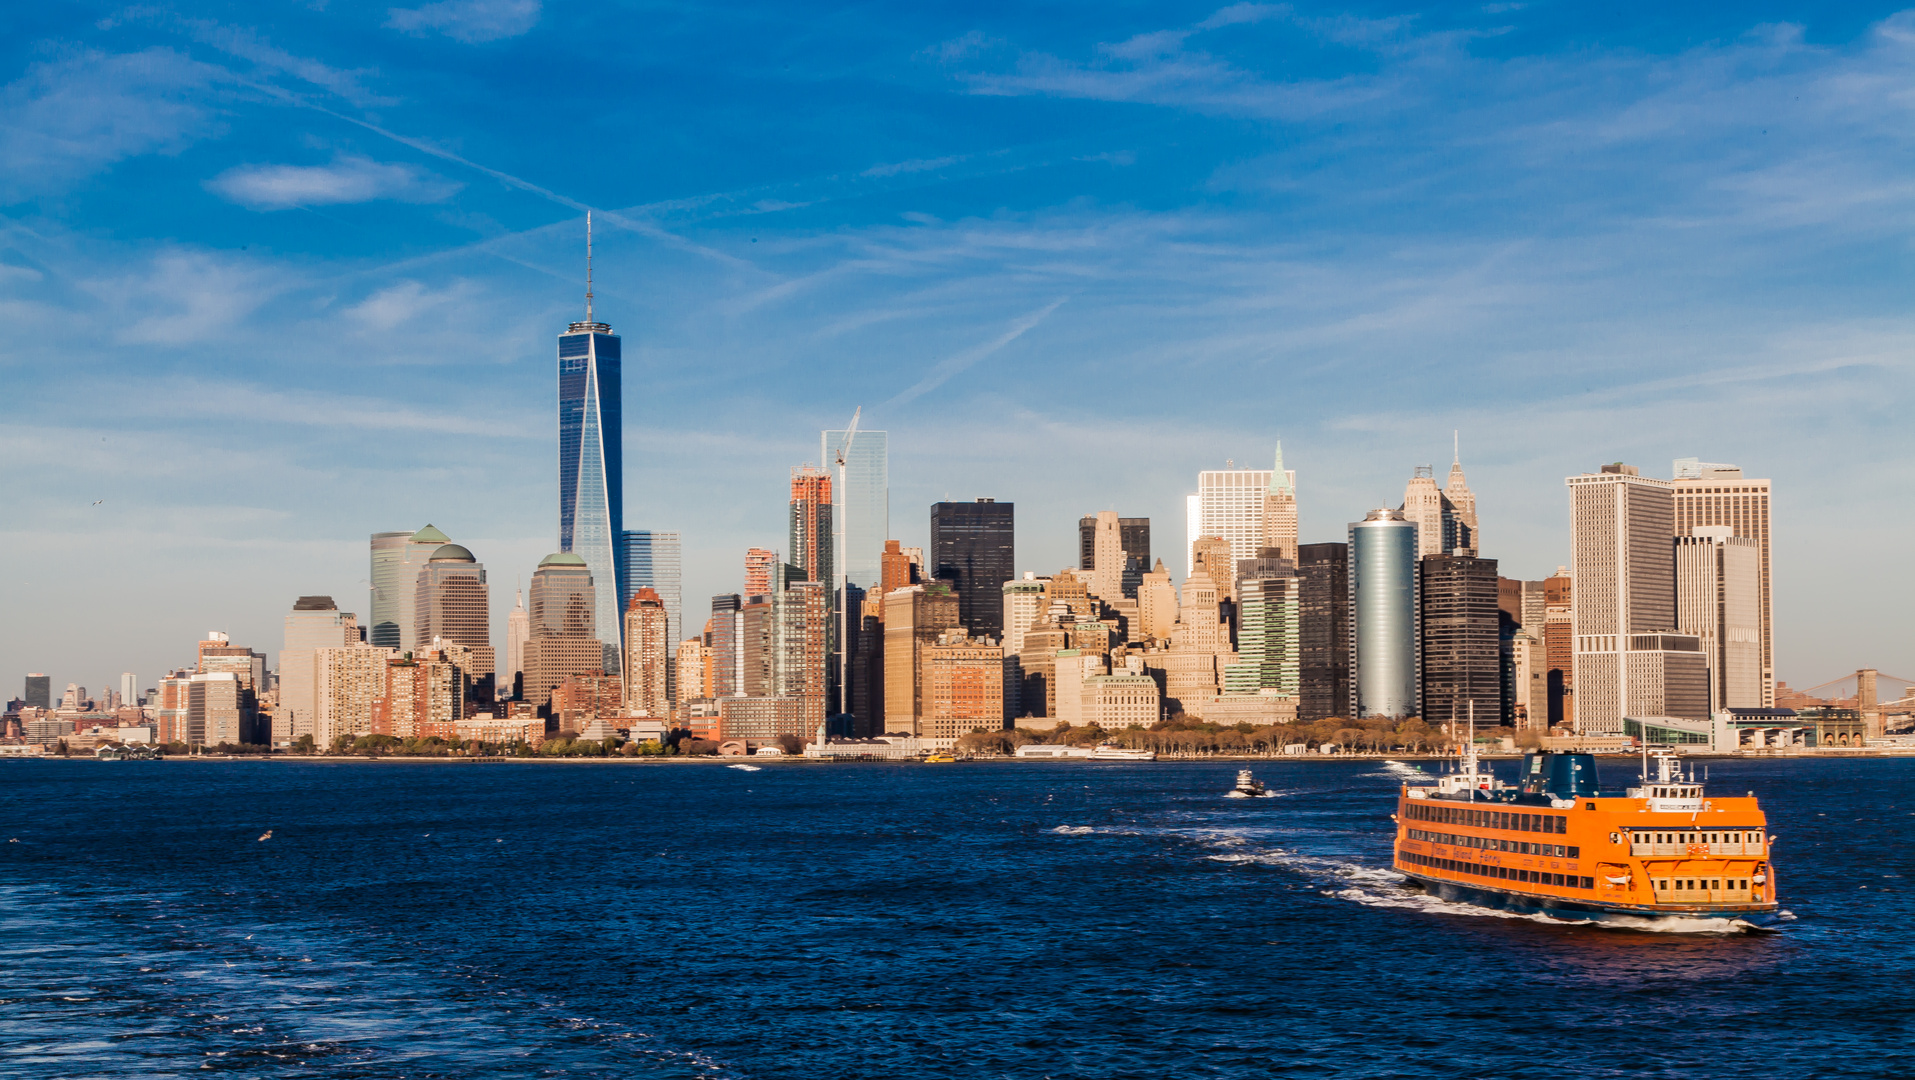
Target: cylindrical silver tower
1383	615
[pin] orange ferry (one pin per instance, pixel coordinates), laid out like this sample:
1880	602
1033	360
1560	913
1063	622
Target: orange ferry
1558	845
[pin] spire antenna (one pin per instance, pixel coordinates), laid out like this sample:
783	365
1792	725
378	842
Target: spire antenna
1455	435
588	266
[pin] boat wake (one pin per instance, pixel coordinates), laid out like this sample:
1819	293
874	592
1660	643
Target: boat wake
1247	795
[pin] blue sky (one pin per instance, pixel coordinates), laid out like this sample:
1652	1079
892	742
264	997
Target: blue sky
277	276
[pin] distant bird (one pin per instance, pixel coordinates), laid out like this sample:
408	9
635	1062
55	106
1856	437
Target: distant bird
267	835
97	502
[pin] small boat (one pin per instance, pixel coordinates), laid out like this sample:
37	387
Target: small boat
939	759
1108	752
745	768
1248	787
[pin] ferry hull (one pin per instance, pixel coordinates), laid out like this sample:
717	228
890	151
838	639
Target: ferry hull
1560	907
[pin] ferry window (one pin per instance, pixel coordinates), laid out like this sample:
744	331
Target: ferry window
1575	853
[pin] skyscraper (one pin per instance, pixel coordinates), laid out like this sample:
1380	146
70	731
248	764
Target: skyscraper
1623	609
1269	619
1461	640
758	563
1324	616
39	691
914	617
1712	494
974	548
397	558
1462	507
653	561
518	630
1237	505
811	533
1385	667
451	603
1719	599
727	645
861	506
314	623
129	691
564	619
1133	540
592	461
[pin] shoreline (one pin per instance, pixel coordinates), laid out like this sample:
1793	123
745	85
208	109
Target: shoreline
795	759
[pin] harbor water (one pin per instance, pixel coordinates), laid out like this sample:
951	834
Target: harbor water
1014	919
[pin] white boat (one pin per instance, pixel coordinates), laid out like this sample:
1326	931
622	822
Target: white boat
1107	752
1248	787
745	768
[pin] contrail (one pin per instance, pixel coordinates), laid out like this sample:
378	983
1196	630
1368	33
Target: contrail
950	366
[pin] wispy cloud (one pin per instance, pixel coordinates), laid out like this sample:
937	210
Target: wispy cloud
347	180
69	118
470	21
944	369
914	165
184	297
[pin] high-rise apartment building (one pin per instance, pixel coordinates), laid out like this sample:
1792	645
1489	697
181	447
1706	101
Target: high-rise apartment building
653	561
914	617
347	679
397	558
1251	508
693	665
811	531
452	603
1323	631
974	548
314	623
758	652
804	633
647	656
1719	600
1460	640
1385	667
564	624
592	463
1708	494
758	564
861	506
39	691
1623	558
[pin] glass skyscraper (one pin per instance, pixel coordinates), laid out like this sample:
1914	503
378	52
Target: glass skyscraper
652	562
1385	662
592	470
861	506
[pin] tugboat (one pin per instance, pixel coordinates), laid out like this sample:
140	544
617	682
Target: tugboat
1248	787
1557	844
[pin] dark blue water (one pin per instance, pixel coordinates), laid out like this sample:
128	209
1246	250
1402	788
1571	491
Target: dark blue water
1011	920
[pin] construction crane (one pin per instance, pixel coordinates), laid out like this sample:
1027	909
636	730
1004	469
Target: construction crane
843	525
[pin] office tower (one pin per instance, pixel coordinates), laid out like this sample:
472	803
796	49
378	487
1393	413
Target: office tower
1462	656
758	564
861	506
1559	649
1712	494
1719	599
647	656
218	653
1324	631
1024	605
39	691
896	568
347	680
397	558
314	623
727	644
653	561
1240	505
518	629
1528	682
592	461
1384	665
452	603
693	666
1133	539
1156	606
221	709
1103	572
1623	560
973	547
1215	557
1425	507
1462	503
964	685
1199	647
914	616
129	692
1269	646
564	624
1280	511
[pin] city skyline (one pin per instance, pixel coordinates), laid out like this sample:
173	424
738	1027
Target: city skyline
331	331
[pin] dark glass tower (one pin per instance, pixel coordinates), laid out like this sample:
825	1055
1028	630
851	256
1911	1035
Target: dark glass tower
1462	657
1325	632
974	547
592	463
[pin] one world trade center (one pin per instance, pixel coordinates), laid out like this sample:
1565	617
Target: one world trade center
592	461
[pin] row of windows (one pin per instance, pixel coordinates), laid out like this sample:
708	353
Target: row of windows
1702	884
1696	837
1504	873
1491	843
1488	819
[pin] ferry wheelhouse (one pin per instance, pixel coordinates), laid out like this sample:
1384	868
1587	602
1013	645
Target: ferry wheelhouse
1557	844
